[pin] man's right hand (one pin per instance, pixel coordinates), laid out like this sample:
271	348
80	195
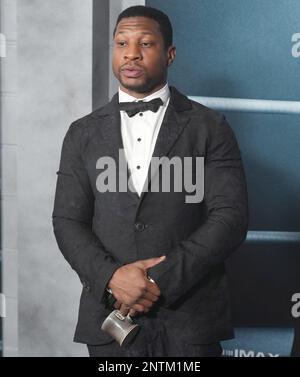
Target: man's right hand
132	288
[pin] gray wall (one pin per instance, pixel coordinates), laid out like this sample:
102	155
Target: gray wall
9	149
52	88
55	88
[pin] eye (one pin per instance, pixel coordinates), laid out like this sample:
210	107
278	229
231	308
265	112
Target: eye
121	43
146	44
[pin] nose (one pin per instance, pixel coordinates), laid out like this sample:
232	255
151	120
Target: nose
132	52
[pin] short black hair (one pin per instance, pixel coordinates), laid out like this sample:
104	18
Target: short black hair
161	18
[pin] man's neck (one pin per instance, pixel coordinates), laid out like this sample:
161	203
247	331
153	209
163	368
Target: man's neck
141	95
163	93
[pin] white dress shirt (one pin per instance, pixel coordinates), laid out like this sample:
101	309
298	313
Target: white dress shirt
139	134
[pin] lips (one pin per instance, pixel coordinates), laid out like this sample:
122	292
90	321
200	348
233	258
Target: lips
132	72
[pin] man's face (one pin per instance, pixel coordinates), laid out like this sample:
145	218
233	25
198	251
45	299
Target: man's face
140	60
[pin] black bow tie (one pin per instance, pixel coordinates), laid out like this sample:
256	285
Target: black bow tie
132	108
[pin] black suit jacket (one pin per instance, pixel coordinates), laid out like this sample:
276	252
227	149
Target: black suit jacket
99	232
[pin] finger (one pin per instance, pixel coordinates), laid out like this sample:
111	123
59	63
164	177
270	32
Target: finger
132	312
140	308
151	262
146	303
150	296
124	310
152	288
150	292
117	305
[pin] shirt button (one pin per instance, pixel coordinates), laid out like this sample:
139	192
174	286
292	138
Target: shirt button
140	227
141	114
138	167
139	139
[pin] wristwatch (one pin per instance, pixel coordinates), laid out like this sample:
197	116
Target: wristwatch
109	299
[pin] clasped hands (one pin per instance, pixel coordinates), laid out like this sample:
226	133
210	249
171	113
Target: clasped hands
132	289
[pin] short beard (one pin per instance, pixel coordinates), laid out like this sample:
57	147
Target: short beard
146	87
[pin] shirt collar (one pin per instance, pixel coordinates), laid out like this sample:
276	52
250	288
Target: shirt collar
163	93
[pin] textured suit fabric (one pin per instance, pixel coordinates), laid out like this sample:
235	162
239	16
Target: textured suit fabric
99	232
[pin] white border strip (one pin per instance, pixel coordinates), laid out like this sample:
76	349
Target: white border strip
2	305
249	105
254	236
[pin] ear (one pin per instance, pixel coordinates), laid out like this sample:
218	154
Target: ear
171	55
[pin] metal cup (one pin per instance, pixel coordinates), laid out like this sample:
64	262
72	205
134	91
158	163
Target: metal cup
121	328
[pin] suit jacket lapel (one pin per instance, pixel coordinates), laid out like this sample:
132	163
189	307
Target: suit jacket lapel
110	126
110	129
172	126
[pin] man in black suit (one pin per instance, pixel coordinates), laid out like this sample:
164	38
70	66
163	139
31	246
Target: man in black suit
153	254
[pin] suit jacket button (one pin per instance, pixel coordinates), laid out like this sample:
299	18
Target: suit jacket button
86	286
139	227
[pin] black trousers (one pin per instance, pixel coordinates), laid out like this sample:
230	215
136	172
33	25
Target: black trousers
155	339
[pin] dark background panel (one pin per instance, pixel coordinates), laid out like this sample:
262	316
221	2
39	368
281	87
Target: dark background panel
101	41
270	148
235	48
262	281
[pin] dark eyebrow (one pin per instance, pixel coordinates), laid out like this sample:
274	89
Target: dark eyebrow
142	32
